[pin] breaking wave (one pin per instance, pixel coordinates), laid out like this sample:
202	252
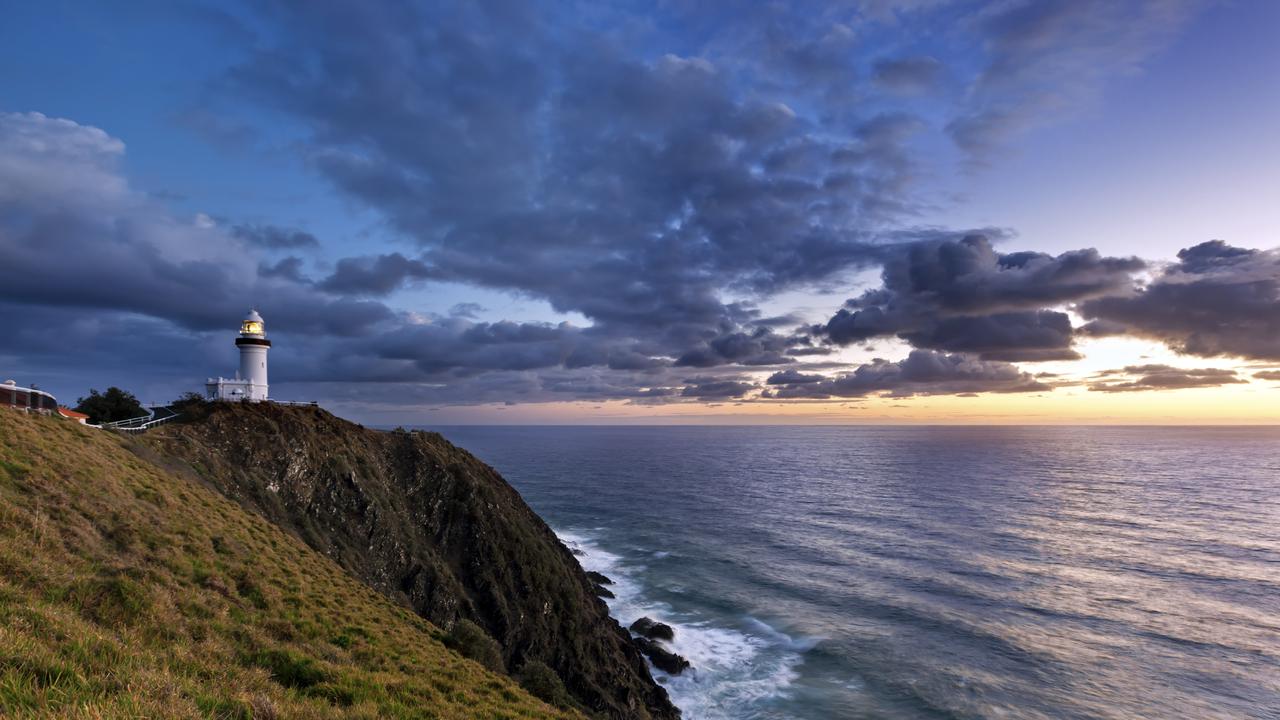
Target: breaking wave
741	665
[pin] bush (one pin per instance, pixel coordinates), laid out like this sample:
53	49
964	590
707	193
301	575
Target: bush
543	683
471	641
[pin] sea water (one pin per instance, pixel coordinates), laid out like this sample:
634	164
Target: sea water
929	572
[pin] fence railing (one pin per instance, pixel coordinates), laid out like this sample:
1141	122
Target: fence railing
147	426
158	416
130	422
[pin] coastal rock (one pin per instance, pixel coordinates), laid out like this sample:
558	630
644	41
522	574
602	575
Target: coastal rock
427	524
604	592
662	658
652	629
598	578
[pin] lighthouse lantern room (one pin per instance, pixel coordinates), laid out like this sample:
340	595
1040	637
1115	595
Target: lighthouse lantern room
250	384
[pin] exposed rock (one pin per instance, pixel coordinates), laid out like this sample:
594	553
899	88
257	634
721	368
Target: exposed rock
662	658
604	592
425	522
598	578
653	629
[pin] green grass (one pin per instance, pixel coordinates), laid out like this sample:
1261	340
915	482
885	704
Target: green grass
130	592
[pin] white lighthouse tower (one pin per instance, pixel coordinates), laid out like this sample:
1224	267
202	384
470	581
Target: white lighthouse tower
250	384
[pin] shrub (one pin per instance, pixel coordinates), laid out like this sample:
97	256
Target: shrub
543	683
471	641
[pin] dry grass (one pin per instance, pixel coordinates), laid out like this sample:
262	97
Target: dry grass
128	592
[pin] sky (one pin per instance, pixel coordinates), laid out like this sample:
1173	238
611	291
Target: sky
864	211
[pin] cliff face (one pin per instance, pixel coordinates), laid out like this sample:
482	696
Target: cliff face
426	523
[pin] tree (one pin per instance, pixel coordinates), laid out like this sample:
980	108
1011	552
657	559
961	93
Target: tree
110	406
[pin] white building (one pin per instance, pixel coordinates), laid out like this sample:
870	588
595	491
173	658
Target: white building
250	383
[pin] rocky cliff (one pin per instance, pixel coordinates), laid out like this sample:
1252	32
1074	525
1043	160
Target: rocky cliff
427	524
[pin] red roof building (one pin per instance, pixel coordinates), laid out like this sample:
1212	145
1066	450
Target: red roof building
73	415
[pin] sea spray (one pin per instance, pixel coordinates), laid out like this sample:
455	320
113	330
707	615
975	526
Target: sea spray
740	666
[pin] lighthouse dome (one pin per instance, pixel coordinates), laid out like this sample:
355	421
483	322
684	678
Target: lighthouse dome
252	324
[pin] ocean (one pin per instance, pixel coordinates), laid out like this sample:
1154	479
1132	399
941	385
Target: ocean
929	572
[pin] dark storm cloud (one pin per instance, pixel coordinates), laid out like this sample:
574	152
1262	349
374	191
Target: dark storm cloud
923	372
1029	336
274	237
794	377
1217	300
289	268
761	347
1164	377
961	295
907	75
710	388
379	275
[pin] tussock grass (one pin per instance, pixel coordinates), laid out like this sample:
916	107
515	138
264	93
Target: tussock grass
130	592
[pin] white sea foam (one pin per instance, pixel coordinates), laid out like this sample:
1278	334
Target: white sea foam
737	665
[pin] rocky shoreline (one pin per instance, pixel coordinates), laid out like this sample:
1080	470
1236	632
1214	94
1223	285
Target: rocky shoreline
648	635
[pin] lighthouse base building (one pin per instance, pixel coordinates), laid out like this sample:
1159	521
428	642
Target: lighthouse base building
250	383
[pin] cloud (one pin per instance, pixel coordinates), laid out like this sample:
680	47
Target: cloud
923	372
74	234
274	237
794	377
961	295
1268	375
380	275
715	388
637	193
1217	300
289	268
761	347
1029	336
468	310
1048	58
1165	377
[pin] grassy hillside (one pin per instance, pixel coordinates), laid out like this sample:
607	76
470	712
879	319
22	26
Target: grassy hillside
129	591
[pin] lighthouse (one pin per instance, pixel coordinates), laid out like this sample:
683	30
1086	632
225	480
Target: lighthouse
250	384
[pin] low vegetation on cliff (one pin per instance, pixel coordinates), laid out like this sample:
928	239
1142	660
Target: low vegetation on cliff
131	590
